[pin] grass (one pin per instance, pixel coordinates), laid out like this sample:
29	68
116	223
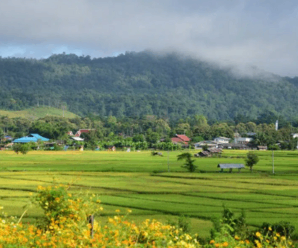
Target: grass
141	182
37	112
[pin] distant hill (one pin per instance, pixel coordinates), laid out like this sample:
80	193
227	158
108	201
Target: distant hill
137	84
37	112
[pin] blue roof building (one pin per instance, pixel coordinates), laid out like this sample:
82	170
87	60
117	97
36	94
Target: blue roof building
39	137
33	137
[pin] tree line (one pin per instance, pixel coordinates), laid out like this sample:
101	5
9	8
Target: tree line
148	131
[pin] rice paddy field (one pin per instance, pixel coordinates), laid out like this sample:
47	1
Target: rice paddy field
157	187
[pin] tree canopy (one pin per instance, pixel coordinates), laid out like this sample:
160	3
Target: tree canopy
251	159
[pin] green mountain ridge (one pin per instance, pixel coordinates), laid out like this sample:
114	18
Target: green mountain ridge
137	84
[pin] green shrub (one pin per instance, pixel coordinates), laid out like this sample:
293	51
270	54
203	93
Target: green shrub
184	223
283	228
57	147
22	148
233	225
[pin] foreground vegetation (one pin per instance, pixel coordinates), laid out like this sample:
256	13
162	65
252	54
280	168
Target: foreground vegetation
141	182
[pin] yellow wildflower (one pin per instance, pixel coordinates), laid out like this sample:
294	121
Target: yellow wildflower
225	244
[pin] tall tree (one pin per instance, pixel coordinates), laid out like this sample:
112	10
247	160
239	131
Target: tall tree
251	159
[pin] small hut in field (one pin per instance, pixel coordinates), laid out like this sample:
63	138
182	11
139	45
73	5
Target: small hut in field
230	167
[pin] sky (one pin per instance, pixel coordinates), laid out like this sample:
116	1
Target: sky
239	33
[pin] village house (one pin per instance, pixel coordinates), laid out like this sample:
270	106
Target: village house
234	146
222	140
215	150
262	148
77	138
209	152
78	133
180	138
203	154
33	137
204	143
7	138
243	140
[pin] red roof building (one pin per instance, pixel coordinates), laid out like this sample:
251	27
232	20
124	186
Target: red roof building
183	137
180	138
78	133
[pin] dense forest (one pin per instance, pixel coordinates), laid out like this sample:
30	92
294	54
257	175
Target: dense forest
140	84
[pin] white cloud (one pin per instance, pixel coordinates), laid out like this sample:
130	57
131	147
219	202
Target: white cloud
237	32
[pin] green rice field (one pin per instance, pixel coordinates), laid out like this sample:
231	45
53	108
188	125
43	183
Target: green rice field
142	183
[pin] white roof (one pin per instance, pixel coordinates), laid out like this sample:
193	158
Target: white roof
224	138
205	142
244	138
77	138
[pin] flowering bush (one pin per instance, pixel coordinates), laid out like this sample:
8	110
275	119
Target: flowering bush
269	240
58	204
66	225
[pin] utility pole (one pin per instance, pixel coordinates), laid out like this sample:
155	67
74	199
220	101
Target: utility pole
168	161
273	161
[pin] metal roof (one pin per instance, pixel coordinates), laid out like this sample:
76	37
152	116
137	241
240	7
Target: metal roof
230	166
183	137
214	150
35	137
25	140
77	138
39	137
224	138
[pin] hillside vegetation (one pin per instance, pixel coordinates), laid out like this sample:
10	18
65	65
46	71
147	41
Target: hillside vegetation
137	84
37	112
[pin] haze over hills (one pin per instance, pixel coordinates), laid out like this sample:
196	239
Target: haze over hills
137	84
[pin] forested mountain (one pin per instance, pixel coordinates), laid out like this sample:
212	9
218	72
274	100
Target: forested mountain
137	84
